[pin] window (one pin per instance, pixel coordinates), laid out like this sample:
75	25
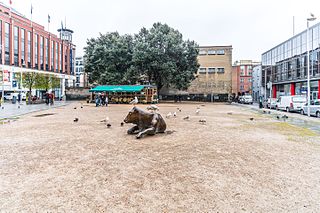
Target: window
47	54
29	49
16	46
220	52
202	70
6	44
241	87
0	42
202	52
36	51
242	73
23	62
250	73
211	52
211	70
250	79
52	55
41	53
241	80
57	59
220	70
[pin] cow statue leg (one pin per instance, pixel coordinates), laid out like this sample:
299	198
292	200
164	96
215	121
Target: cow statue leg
149	131
133	130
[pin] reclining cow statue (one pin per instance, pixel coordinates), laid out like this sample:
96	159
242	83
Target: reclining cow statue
146	123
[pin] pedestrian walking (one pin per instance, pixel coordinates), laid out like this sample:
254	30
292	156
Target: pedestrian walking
107	101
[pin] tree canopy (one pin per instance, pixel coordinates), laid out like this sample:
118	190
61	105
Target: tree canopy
158	54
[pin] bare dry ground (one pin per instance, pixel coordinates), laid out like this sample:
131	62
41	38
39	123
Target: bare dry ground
230	164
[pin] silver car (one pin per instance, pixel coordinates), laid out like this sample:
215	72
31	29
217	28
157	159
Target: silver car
314	108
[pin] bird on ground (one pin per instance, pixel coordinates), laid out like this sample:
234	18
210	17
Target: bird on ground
153	108
105	120
264	112
251	119
202	121
197	111
229	113
134	101
187	117
178	109
203	105
76	120
278	117
108	125
2	107
18	107
174	114
81	107
169	115
121	124
75	108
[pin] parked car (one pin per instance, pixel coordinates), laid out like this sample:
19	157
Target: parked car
246	99
291	103
314	108
270	101
9	96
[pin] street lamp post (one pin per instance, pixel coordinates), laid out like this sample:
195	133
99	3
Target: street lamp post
312	18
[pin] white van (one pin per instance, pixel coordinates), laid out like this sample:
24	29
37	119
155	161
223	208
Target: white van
291	103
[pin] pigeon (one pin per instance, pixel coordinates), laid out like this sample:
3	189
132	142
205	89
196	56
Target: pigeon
2	107
278	117
75	108
153	108
229	113
174	114
202	105
251	119
81	107
202	121
169	115
179	110
264	112
197	111
121	124
76	120
108	125
134	101
18	107
187	117
105	120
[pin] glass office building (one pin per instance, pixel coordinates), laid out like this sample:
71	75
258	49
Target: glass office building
286	65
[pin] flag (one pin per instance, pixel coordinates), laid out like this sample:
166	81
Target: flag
48	18
31	9
61	25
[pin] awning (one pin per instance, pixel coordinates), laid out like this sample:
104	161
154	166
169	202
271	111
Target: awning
117	88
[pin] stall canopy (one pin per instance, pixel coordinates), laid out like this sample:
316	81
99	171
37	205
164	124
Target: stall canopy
118	88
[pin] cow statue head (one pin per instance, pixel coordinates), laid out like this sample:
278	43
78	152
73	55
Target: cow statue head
133	115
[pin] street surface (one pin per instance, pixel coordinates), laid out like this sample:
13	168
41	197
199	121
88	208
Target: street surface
239	160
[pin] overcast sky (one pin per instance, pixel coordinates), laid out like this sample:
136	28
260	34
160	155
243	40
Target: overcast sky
250	26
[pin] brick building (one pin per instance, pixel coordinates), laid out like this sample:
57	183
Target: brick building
242	76
27	47
214	76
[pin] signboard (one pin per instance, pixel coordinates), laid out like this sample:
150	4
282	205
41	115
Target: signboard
6	76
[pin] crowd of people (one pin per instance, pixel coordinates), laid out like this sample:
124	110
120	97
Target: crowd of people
101	100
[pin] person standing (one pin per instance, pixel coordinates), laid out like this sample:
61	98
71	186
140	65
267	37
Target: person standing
107	100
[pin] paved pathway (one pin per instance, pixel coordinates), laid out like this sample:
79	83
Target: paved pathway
9	110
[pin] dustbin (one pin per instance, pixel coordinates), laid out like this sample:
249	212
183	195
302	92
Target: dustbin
14	99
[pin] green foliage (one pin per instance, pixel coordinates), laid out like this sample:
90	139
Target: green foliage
29	80
108	58
159	54
33	80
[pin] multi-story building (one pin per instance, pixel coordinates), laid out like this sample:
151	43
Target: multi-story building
257	89
214	76
285	65
80	74
27	47
242	76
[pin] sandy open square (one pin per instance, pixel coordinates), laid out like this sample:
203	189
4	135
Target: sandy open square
229	164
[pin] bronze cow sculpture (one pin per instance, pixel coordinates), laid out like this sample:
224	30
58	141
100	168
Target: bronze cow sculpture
146	123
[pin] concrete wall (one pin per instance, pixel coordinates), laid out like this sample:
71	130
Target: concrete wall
78	93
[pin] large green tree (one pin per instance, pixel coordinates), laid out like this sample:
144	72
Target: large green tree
164	57
159	54
108	58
